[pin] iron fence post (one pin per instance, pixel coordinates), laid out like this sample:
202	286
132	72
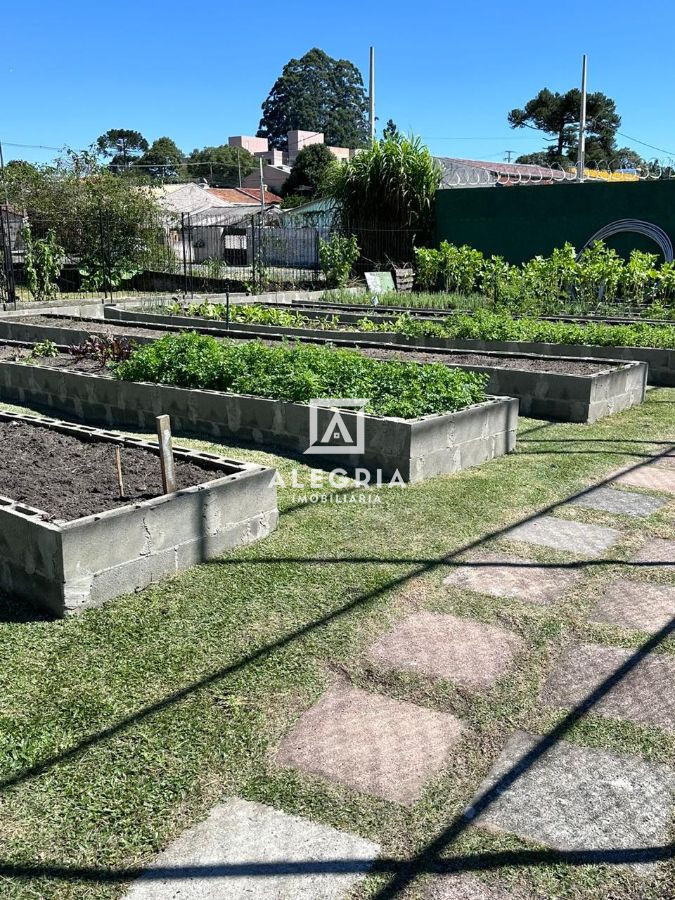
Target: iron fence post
103	255
182	233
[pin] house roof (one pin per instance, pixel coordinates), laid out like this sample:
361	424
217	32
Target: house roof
243	195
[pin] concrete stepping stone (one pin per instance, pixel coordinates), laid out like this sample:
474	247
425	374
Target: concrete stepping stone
626	503
467	887
501	575
645	695
653	477
636	604
468	653
563	534
245	849
658	551
574	798
384	747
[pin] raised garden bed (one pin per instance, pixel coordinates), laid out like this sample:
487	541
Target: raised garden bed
68	542
417	449
572	389
661	361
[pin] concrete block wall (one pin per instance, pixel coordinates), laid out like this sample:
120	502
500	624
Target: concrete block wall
68	566
256	420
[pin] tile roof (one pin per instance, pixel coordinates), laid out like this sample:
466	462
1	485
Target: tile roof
243	195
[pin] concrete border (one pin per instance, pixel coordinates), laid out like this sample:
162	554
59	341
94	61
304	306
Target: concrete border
69	566
415	448
550	395
562	396
661	362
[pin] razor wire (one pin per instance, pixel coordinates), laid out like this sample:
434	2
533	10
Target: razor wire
478	173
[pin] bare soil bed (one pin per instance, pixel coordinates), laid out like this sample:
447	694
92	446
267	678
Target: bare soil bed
536	364
530	364
69	478
105	326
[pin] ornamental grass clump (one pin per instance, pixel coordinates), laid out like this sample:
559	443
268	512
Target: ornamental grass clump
297	373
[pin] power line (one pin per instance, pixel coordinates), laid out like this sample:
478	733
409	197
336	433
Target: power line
30	146
644	144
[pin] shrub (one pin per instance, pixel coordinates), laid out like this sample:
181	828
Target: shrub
297	373
43	259
556	284
336	257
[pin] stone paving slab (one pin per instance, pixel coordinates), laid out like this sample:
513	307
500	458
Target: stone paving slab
245	849
501	575
636	604
626	503
653	477
659	551
645	695
467	887
574	798
563	534
468	653
384	747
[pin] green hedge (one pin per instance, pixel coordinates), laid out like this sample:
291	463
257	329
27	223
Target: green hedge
298	373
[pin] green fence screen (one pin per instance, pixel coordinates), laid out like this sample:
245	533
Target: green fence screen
522	221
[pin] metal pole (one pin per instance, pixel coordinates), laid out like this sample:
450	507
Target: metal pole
6	237
581	158
227	308
371	96
262	192
190	260
182	231
104	267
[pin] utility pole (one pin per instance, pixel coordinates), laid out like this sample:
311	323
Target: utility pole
371	96
581	158
262	193
509	154
239	164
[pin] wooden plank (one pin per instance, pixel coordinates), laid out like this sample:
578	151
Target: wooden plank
166	454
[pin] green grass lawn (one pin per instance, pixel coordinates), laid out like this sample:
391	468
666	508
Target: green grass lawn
121	727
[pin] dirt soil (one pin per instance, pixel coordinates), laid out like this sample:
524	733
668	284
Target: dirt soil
545	364
68	478
101	326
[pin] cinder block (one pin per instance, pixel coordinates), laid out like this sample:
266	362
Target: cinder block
69	566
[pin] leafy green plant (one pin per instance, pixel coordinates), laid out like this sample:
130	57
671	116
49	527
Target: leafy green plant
44	350
485	325
336	257
297	373
43	260
427	265
459	267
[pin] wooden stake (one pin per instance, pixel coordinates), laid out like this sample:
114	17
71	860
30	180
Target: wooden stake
166	454
118	465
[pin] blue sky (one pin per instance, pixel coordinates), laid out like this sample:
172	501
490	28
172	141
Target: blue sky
447	72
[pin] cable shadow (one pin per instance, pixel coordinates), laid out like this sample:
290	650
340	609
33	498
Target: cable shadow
428	857
264	651
420	863
479	862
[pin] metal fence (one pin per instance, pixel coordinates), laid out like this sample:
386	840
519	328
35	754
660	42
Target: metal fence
180	254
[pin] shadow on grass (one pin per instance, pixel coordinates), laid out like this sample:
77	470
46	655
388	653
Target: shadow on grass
403	873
